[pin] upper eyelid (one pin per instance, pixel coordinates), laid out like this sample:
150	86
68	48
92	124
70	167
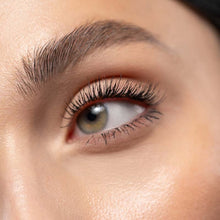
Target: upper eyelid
110	88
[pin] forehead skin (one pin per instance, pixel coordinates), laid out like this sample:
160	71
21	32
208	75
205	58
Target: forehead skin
186	183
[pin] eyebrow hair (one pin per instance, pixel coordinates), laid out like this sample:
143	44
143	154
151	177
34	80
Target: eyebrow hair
56	55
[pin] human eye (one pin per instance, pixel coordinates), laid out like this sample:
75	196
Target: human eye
103	111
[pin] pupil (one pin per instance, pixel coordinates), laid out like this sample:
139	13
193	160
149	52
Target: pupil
91	116
94	112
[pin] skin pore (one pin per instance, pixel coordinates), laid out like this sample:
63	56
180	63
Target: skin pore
169	169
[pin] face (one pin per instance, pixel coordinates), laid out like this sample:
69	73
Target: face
108	110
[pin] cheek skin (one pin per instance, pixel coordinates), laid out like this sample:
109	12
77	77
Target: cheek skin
196	190
168	195
183	188
135	200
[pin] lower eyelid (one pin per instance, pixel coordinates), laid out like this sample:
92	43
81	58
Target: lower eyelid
119	138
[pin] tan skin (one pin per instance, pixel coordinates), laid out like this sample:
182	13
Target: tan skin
168	170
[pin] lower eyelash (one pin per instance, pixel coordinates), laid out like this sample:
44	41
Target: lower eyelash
149	116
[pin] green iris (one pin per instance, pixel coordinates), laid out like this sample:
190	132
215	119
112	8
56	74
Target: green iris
93	119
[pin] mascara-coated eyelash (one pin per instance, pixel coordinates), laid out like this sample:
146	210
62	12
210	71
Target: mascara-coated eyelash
115	88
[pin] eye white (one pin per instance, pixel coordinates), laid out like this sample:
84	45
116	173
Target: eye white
119	113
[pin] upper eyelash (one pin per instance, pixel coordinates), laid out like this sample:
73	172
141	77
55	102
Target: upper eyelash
146	93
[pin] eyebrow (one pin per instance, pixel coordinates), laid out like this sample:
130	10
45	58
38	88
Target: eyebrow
57	55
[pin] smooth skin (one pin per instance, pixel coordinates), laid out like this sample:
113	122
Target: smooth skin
171	173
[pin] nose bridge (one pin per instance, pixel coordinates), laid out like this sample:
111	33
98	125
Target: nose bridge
21	196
